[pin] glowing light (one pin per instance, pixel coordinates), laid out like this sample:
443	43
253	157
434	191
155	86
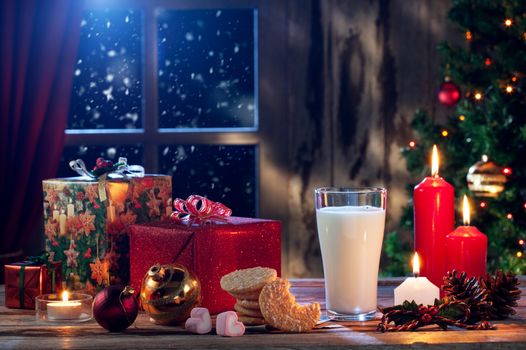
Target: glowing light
514	79
506	171
508	22
465	211
487	62
509	216
509	89
65	295
524	205
469	36
478	96
416	264
521	241
483	204
412	144
445	133
434	161
485	158
462	117
519	254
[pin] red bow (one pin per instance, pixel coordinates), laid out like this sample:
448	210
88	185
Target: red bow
199	209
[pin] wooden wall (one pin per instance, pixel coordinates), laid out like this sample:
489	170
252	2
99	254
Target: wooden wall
356	72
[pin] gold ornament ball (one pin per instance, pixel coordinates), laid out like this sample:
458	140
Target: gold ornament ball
169	293
485	179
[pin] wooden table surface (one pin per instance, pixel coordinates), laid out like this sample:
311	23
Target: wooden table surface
20	330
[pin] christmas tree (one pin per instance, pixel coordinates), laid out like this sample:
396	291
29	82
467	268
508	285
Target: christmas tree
484	135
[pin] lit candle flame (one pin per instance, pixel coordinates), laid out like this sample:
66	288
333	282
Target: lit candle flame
65	295
465	211
416	265
434	162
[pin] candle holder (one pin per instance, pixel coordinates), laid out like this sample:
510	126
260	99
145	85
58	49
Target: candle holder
51	307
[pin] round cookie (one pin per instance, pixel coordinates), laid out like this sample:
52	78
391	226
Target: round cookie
279	308
247	312
247	281
246	296
251	321
249	304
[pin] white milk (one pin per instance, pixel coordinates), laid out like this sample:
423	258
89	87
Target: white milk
351	243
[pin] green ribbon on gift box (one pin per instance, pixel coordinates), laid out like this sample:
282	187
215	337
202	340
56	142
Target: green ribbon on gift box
21	286
42	259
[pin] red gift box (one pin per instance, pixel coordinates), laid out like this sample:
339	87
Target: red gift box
26	280
210	249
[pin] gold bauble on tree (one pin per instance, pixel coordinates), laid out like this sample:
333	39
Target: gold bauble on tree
485	178
169	293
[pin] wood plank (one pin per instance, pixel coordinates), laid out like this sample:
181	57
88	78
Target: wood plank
19	329
358	70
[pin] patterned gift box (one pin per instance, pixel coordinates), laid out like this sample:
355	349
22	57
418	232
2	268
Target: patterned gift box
89	232
26	280
211	249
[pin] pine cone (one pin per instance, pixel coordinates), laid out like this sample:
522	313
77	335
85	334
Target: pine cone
458	287
503	292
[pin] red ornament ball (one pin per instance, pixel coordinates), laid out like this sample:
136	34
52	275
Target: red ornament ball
448	94
115	308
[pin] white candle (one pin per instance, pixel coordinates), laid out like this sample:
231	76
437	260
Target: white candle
62	223
419	289
56	214
65	309
71	210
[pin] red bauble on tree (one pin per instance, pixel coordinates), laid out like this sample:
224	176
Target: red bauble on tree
448	93
115	308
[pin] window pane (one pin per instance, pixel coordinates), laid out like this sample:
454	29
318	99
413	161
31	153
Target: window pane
89	154
222	173
206	63
107	87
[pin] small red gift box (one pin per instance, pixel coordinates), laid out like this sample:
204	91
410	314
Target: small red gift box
210	249
26	280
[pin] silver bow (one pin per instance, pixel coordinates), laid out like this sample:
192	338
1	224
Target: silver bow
123	170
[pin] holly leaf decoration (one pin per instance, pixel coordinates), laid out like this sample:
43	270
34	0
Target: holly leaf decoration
454	311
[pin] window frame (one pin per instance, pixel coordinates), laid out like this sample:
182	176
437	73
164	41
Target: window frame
270	136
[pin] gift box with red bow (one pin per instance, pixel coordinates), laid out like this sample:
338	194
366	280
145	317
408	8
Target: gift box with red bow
26	280
207	241
86	219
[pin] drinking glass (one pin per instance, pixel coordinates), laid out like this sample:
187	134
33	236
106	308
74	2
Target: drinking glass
350	229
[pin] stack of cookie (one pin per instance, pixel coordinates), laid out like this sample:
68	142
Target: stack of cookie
246	285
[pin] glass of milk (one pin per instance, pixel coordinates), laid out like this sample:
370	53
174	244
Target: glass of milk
351	229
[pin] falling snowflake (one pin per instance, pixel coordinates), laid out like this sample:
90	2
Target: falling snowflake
108	94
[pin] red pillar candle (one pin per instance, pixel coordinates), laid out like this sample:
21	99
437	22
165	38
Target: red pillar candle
467	248
434	218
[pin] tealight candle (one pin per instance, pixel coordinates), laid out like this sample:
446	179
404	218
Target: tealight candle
419	289
65	309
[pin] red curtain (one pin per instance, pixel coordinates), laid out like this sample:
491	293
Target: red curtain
38	48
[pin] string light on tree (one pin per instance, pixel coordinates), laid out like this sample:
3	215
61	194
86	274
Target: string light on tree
508	22
445	133
469	35
506	171
509	216
483	204
462	117
478	96
521	242
509	89
412	144
487	61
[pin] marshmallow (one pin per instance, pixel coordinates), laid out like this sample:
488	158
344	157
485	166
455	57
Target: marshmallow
200	321
228	325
